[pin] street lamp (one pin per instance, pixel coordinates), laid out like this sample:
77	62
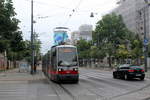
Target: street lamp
92	14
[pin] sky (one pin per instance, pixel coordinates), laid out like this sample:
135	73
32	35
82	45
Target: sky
49	14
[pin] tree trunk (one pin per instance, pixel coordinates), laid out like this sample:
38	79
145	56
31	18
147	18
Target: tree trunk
109	60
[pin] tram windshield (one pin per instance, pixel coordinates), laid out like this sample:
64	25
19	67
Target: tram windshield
67	56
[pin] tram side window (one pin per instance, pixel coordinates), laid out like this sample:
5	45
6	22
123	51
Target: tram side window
53	59
49	60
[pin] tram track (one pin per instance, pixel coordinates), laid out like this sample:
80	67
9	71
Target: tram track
113	84
86	86
99	97
53	87
97	87
61	90
134	91
77	96
68	92
130	92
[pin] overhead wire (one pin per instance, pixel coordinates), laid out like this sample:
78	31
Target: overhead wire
73	11
45	4
70	15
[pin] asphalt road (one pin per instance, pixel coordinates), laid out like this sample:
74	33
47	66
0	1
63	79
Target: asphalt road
93	85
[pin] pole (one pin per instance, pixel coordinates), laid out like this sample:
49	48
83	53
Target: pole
32	48
145	44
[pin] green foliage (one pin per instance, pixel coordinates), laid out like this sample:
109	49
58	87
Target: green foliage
111	38
4	44
95	52
136	51
110	32
8	25
83	48
26	53
11	39
112	35
83	45
111	29
122	52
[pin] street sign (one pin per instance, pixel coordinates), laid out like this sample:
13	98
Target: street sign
145	42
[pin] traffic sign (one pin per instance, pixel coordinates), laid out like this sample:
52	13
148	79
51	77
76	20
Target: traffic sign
145	41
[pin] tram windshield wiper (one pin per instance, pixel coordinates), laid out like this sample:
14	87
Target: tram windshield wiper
67	64
63	63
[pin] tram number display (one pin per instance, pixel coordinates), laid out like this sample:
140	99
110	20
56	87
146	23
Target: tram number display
66	50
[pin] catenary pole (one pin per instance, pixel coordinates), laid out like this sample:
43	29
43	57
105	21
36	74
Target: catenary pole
32	47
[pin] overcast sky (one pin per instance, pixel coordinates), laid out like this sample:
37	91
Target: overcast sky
49	14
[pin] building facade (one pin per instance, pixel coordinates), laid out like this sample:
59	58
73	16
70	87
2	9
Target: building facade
134	12
75	36
84	32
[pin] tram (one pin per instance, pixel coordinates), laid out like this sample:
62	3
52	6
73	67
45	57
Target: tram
61	64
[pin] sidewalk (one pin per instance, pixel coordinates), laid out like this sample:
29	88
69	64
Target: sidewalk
15	75
148	74
15	85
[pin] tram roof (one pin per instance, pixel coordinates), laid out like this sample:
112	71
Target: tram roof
61	28
64	46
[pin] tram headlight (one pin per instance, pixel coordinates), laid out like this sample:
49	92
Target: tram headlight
59	69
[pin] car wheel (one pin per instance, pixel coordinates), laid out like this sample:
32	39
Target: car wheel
114	76
141	78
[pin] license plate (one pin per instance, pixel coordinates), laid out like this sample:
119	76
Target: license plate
138	74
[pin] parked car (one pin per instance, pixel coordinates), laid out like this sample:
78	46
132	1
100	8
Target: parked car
127	71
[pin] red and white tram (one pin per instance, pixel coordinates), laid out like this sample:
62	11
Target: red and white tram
61	63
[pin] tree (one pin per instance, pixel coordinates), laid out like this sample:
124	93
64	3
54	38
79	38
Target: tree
110	32
83	48
97	53
122	52
4	44
136	49
11	39
37	46
26	53
111	29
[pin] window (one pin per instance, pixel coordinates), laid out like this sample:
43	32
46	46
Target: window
67	57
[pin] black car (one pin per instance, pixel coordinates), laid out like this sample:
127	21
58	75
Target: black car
129	71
